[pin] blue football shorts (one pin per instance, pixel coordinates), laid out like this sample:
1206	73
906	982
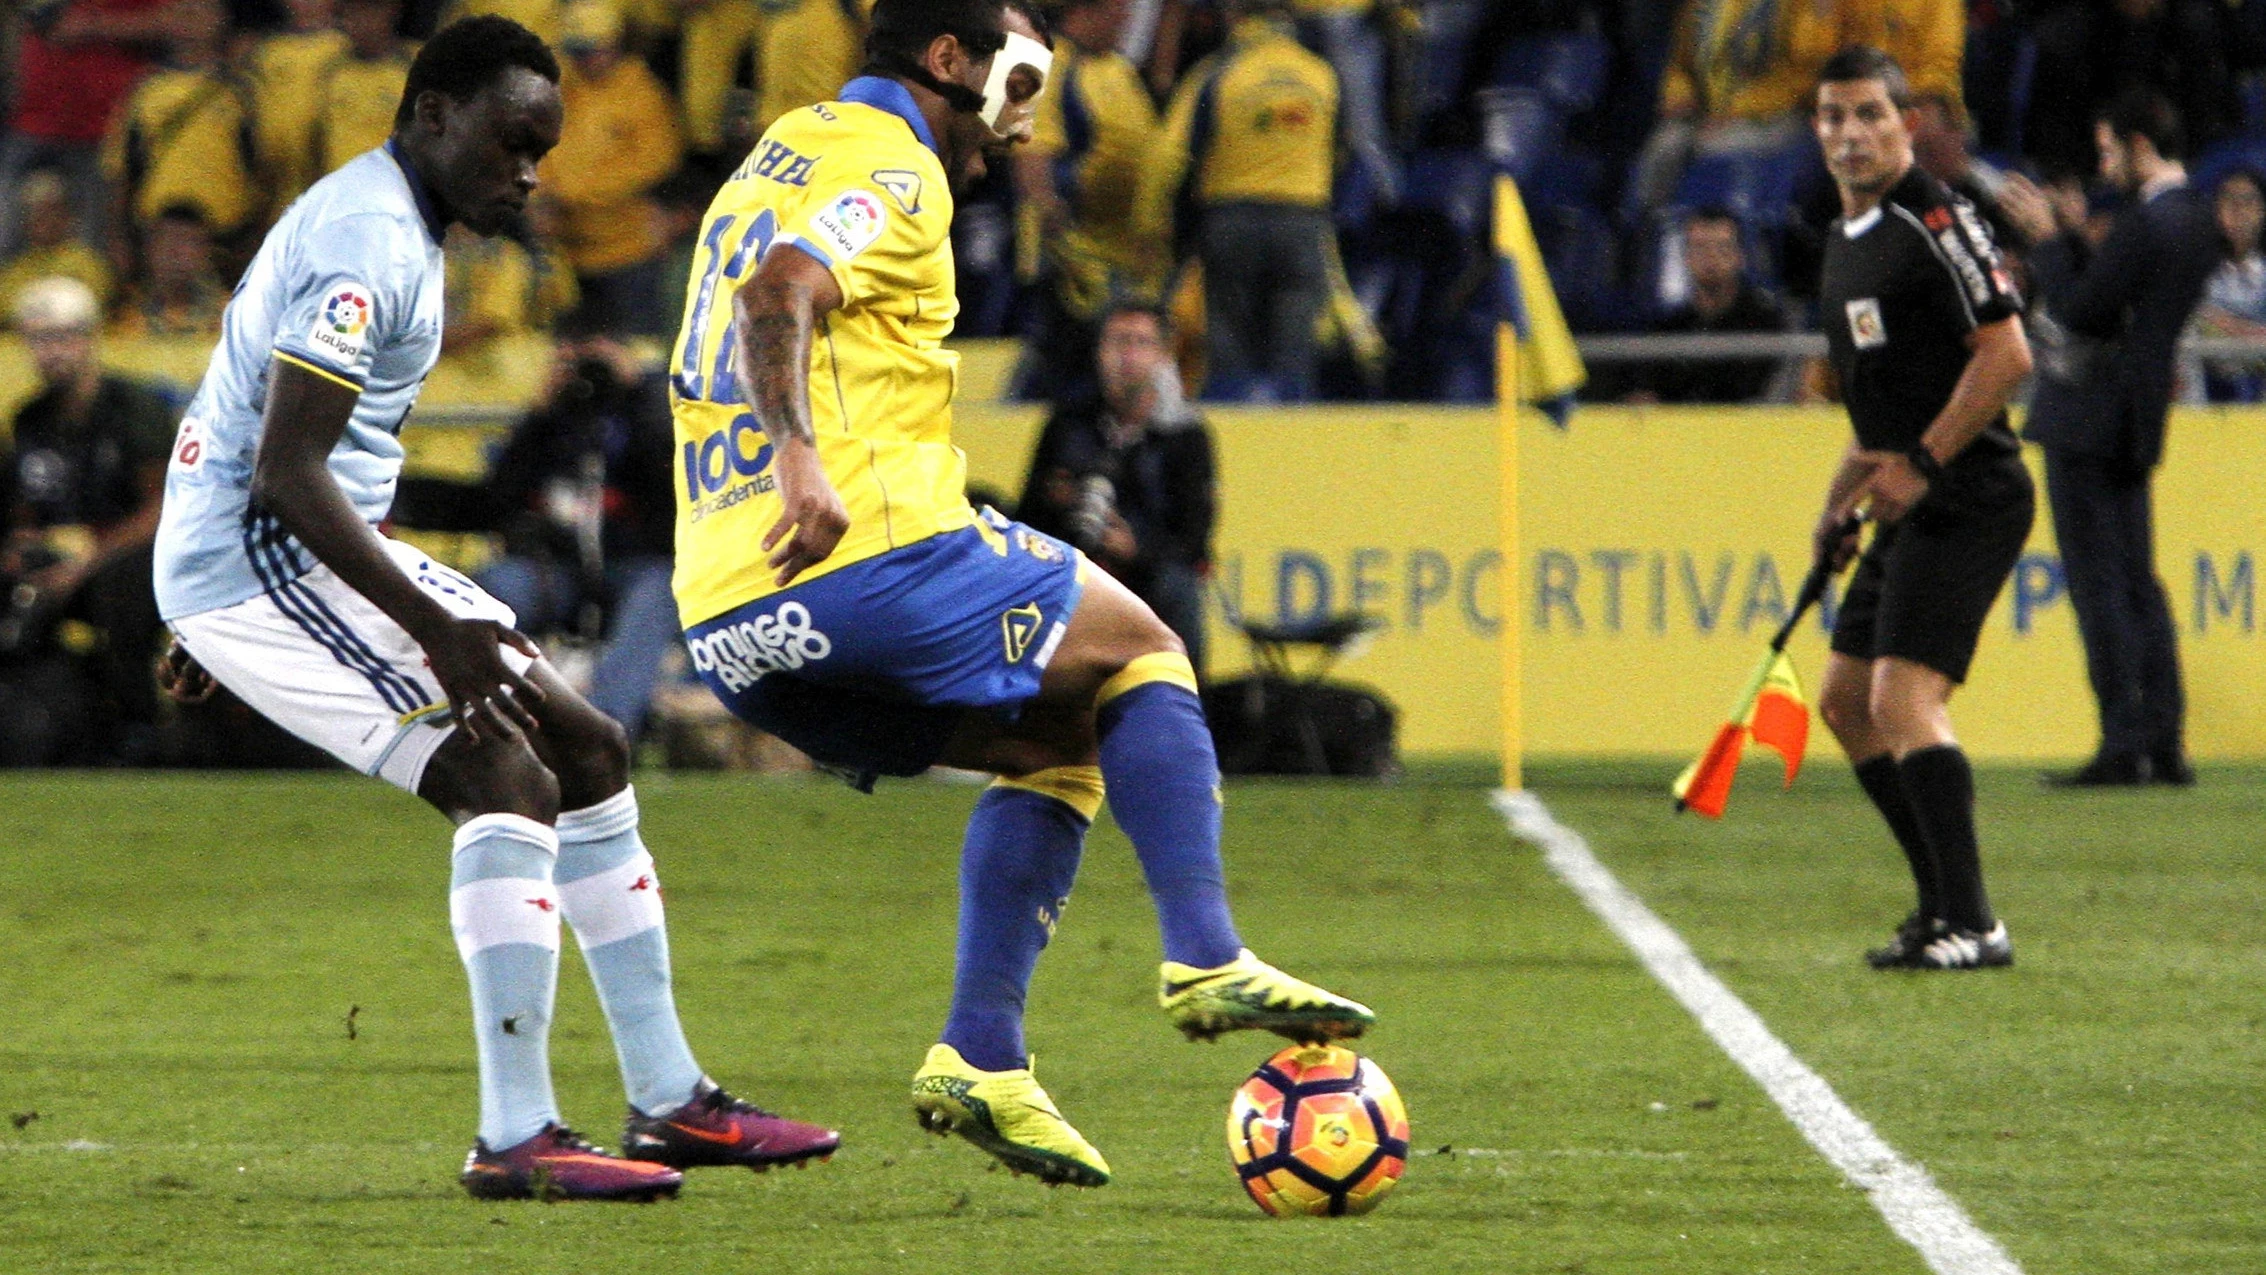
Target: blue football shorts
871	668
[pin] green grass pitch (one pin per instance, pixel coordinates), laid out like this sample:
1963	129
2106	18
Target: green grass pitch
179	957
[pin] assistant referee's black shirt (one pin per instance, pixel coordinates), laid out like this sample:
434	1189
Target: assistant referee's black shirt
1903	287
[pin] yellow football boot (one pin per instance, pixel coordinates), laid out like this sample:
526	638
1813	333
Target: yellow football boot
1007	1114
1248	993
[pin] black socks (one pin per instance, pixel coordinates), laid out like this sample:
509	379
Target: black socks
1939	789
1882	782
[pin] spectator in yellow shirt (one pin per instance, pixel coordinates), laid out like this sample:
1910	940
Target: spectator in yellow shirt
807	50
361	87
621	139
185	134
1740	73
52	247
539	16
1079	181
498	288
179	294
717	41
1250	138
288	71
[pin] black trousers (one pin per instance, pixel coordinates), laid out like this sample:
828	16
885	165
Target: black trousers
1266	281
2104	522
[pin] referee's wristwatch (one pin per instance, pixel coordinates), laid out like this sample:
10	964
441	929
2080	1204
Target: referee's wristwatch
1925	464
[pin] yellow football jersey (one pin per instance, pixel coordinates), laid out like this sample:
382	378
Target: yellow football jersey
855	183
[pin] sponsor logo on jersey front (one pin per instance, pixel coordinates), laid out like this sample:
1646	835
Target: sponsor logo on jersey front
727	467
342	325
850	224
1866	331
739	654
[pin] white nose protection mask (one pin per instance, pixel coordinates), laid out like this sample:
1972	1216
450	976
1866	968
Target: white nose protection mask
1019	51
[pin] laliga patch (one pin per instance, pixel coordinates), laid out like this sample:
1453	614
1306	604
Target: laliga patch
1866	330
342	323
850	224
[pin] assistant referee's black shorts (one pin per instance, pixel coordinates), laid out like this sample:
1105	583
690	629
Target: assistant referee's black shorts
1925	585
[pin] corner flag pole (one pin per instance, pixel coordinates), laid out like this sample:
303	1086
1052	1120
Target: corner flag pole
1507	396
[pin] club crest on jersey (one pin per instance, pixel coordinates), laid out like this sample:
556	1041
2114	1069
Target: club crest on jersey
342	326
1036	545
851	223
1866	331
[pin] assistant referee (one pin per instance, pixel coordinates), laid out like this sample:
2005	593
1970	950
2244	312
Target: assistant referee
1925	336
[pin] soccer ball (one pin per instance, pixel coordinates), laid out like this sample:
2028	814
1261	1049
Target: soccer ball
1318	1131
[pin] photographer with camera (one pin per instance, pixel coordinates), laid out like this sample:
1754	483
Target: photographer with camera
1128	476
582	495
79	499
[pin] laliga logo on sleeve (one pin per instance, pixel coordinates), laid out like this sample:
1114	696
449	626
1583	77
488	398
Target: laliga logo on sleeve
852	222
342	327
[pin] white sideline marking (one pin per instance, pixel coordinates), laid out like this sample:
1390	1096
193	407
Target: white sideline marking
1916	1208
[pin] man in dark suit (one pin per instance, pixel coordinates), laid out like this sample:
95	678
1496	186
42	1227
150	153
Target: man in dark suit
2110	322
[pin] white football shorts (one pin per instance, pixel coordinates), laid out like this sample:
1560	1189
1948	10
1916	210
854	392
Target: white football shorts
323	662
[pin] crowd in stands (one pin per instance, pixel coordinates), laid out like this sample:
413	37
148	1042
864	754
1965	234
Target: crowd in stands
1291	196
1302	183
1627	126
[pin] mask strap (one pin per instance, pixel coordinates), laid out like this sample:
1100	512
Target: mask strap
957	96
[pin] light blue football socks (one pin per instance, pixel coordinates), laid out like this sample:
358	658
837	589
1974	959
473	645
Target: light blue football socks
612	899
504	911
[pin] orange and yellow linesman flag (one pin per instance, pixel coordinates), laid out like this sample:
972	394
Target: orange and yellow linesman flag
1772	713
1549	365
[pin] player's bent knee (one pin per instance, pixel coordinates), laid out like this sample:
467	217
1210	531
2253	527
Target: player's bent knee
1113	627
591	759
468	778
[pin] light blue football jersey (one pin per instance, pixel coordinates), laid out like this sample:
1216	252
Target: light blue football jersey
347	285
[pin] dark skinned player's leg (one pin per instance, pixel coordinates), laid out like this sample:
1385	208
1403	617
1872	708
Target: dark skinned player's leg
610	894
504	909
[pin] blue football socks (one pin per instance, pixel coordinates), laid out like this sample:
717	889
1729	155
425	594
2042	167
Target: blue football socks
1156	756
1016	866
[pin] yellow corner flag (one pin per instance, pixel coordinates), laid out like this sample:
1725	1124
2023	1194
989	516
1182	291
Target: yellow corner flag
1772	713
1550	368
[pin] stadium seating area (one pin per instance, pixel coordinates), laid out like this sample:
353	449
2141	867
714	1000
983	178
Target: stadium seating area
1562	97
149	143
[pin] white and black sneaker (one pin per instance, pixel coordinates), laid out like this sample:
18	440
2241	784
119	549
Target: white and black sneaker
1967	950
1903	951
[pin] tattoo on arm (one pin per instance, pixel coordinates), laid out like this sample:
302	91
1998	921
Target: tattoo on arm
776	332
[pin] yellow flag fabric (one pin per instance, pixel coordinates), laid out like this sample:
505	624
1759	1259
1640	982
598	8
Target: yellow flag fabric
1550	368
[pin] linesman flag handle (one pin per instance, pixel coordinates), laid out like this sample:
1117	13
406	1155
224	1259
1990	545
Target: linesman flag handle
1771	711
